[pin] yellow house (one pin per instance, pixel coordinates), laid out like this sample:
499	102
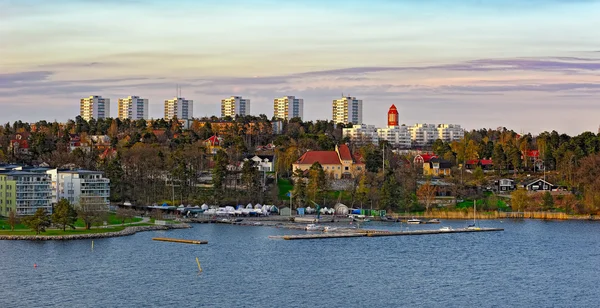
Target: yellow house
340	163
437	167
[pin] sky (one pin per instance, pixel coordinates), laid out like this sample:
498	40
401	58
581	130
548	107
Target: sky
527	65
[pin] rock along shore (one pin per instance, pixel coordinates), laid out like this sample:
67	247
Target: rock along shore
124	232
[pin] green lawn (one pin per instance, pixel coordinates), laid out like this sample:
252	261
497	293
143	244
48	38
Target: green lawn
112	220
5	226
501	204
61	232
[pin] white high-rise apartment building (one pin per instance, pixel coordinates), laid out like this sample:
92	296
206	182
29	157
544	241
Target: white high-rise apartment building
133	108
450	132
80	186
235	106
94	107
347	110
362	134
179	107
422	134
288	107
398	136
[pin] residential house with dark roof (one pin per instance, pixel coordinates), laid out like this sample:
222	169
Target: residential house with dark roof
504	185
437	167
540	185
341	164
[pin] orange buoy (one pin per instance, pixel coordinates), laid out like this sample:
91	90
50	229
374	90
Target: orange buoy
34	265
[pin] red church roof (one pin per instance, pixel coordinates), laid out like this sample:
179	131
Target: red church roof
322	157
344	152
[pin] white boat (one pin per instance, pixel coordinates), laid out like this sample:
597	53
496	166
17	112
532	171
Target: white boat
414	221
446	229
313	227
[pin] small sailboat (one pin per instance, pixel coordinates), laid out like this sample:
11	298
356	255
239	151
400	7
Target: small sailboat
474	225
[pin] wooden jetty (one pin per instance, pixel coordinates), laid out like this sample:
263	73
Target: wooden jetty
377	233
175	240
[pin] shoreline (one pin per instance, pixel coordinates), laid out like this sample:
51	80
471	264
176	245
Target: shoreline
125	232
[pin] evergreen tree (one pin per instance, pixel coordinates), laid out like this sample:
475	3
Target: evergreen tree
38	222
64	215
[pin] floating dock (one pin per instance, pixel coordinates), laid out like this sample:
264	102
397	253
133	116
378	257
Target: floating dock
175	240
377	233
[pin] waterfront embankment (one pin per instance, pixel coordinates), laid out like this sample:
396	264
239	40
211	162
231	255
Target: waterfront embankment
497	215
125	232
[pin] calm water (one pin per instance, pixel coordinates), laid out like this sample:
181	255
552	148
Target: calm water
532	263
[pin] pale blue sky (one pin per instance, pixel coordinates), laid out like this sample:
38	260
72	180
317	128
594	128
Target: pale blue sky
528	65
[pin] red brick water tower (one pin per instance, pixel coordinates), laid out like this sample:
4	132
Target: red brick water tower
393	116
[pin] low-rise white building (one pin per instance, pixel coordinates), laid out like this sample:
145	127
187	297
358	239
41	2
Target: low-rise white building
79	186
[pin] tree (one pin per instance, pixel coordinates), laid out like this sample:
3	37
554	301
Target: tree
12	219
588	178
299	191
390	194
64	215
362	191
317	181
124	213
520	200
39	221
426	194
499	157
220	170
91	213
547	201
479	175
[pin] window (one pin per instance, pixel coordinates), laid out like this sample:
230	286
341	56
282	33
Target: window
346	168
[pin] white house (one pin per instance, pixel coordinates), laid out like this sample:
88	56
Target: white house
264	163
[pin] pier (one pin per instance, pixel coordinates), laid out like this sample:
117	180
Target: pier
377	233
174	240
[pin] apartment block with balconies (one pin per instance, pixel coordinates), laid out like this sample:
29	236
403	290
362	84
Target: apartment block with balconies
347	110
94	107
180	108
133	108
80	186
288	107
235	106
24	192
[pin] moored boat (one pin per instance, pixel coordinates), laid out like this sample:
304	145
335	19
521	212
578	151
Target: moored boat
414	221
